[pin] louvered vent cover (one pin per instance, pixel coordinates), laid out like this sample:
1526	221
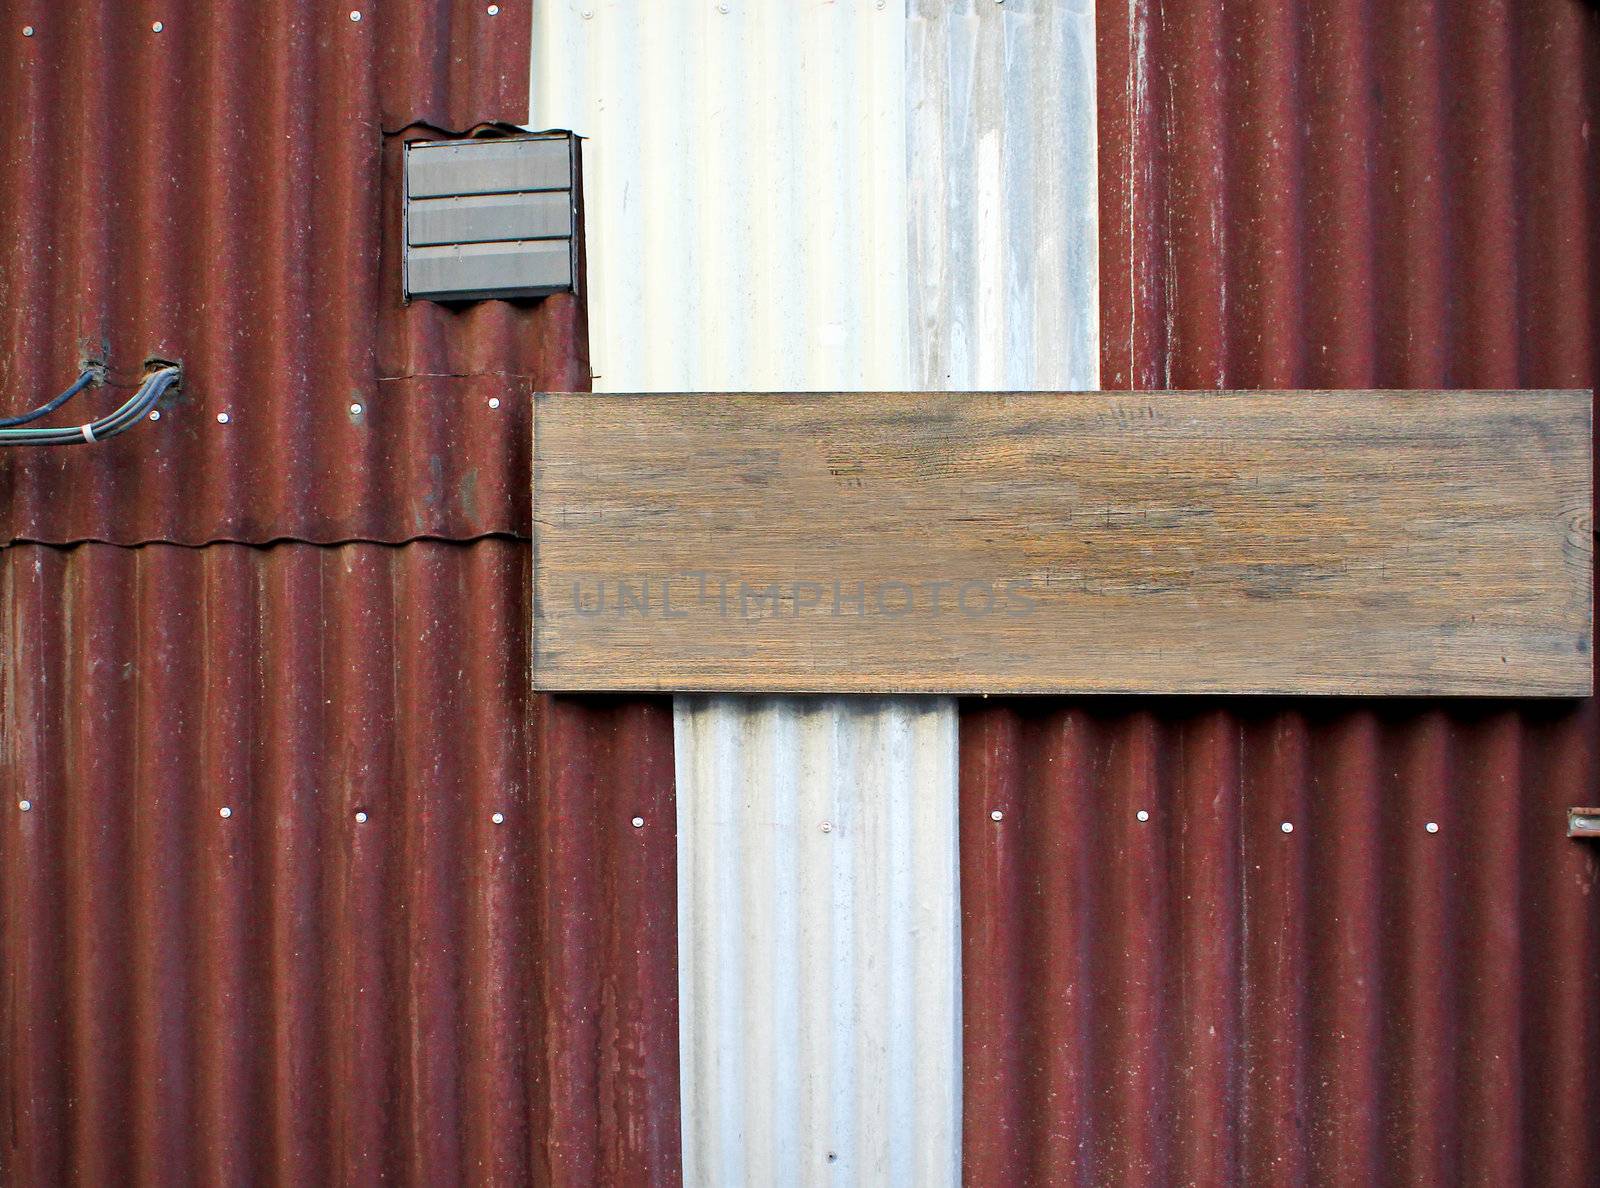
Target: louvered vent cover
490	218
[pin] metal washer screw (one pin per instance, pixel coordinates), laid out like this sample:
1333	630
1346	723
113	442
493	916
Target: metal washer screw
355	14
1142	815
1287	827
494	10
355	410
361	818
27	30
155	414
24	805
997	815
155	26
827	827
224	812
498	818
494	402
638	822
223	418
1432	827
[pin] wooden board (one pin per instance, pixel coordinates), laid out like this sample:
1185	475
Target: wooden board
1416	543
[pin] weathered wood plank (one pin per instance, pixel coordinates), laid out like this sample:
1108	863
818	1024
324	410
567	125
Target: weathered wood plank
1415	543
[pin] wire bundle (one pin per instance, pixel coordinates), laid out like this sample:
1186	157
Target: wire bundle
123	417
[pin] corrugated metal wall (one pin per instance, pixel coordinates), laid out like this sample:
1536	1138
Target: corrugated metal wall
285	993
1306	194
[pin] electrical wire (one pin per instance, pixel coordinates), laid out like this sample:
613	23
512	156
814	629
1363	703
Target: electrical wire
119	420
90	375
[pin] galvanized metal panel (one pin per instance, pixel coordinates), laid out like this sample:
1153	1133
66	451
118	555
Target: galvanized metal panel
248	223
1341	195
483	218
498	166
1001	192
818	858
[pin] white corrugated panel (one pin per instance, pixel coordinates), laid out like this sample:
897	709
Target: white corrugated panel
826	196
823	940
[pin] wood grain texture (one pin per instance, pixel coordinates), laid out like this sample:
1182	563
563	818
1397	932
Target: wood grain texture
1407	543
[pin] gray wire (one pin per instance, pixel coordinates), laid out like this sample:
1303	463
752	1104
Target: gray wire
119	420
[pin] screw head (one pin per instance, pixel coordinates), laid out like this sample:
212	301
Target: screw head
224	812
997	815
494	402
1432	827
24	805
155	414
355	14
827	827
1142	815
361	818
355	410
498	818
27	30
223	418
1287	827
638	822
155	26
493	10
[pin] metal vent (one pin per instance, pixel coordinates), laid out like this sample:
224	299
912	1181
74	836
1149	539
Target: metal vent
490	218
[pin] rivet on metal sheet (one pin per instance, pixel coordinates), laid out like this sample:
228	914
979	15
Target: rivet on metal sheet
498	818
638	822
355	410
1142	815
587	15
223	418
355	14
997	815
24	805
493	10
224	812
827	827
155	414
155	26
494	402
1287	827
27	30
1432	827
361	818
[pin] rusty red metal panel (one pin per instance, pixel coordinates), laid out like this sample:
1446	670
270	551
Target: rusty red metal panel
287	993
1322	193
226	192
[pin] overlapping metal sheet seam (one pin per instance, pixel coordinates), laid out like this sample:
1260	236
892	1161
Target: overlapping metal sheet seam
1350	941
